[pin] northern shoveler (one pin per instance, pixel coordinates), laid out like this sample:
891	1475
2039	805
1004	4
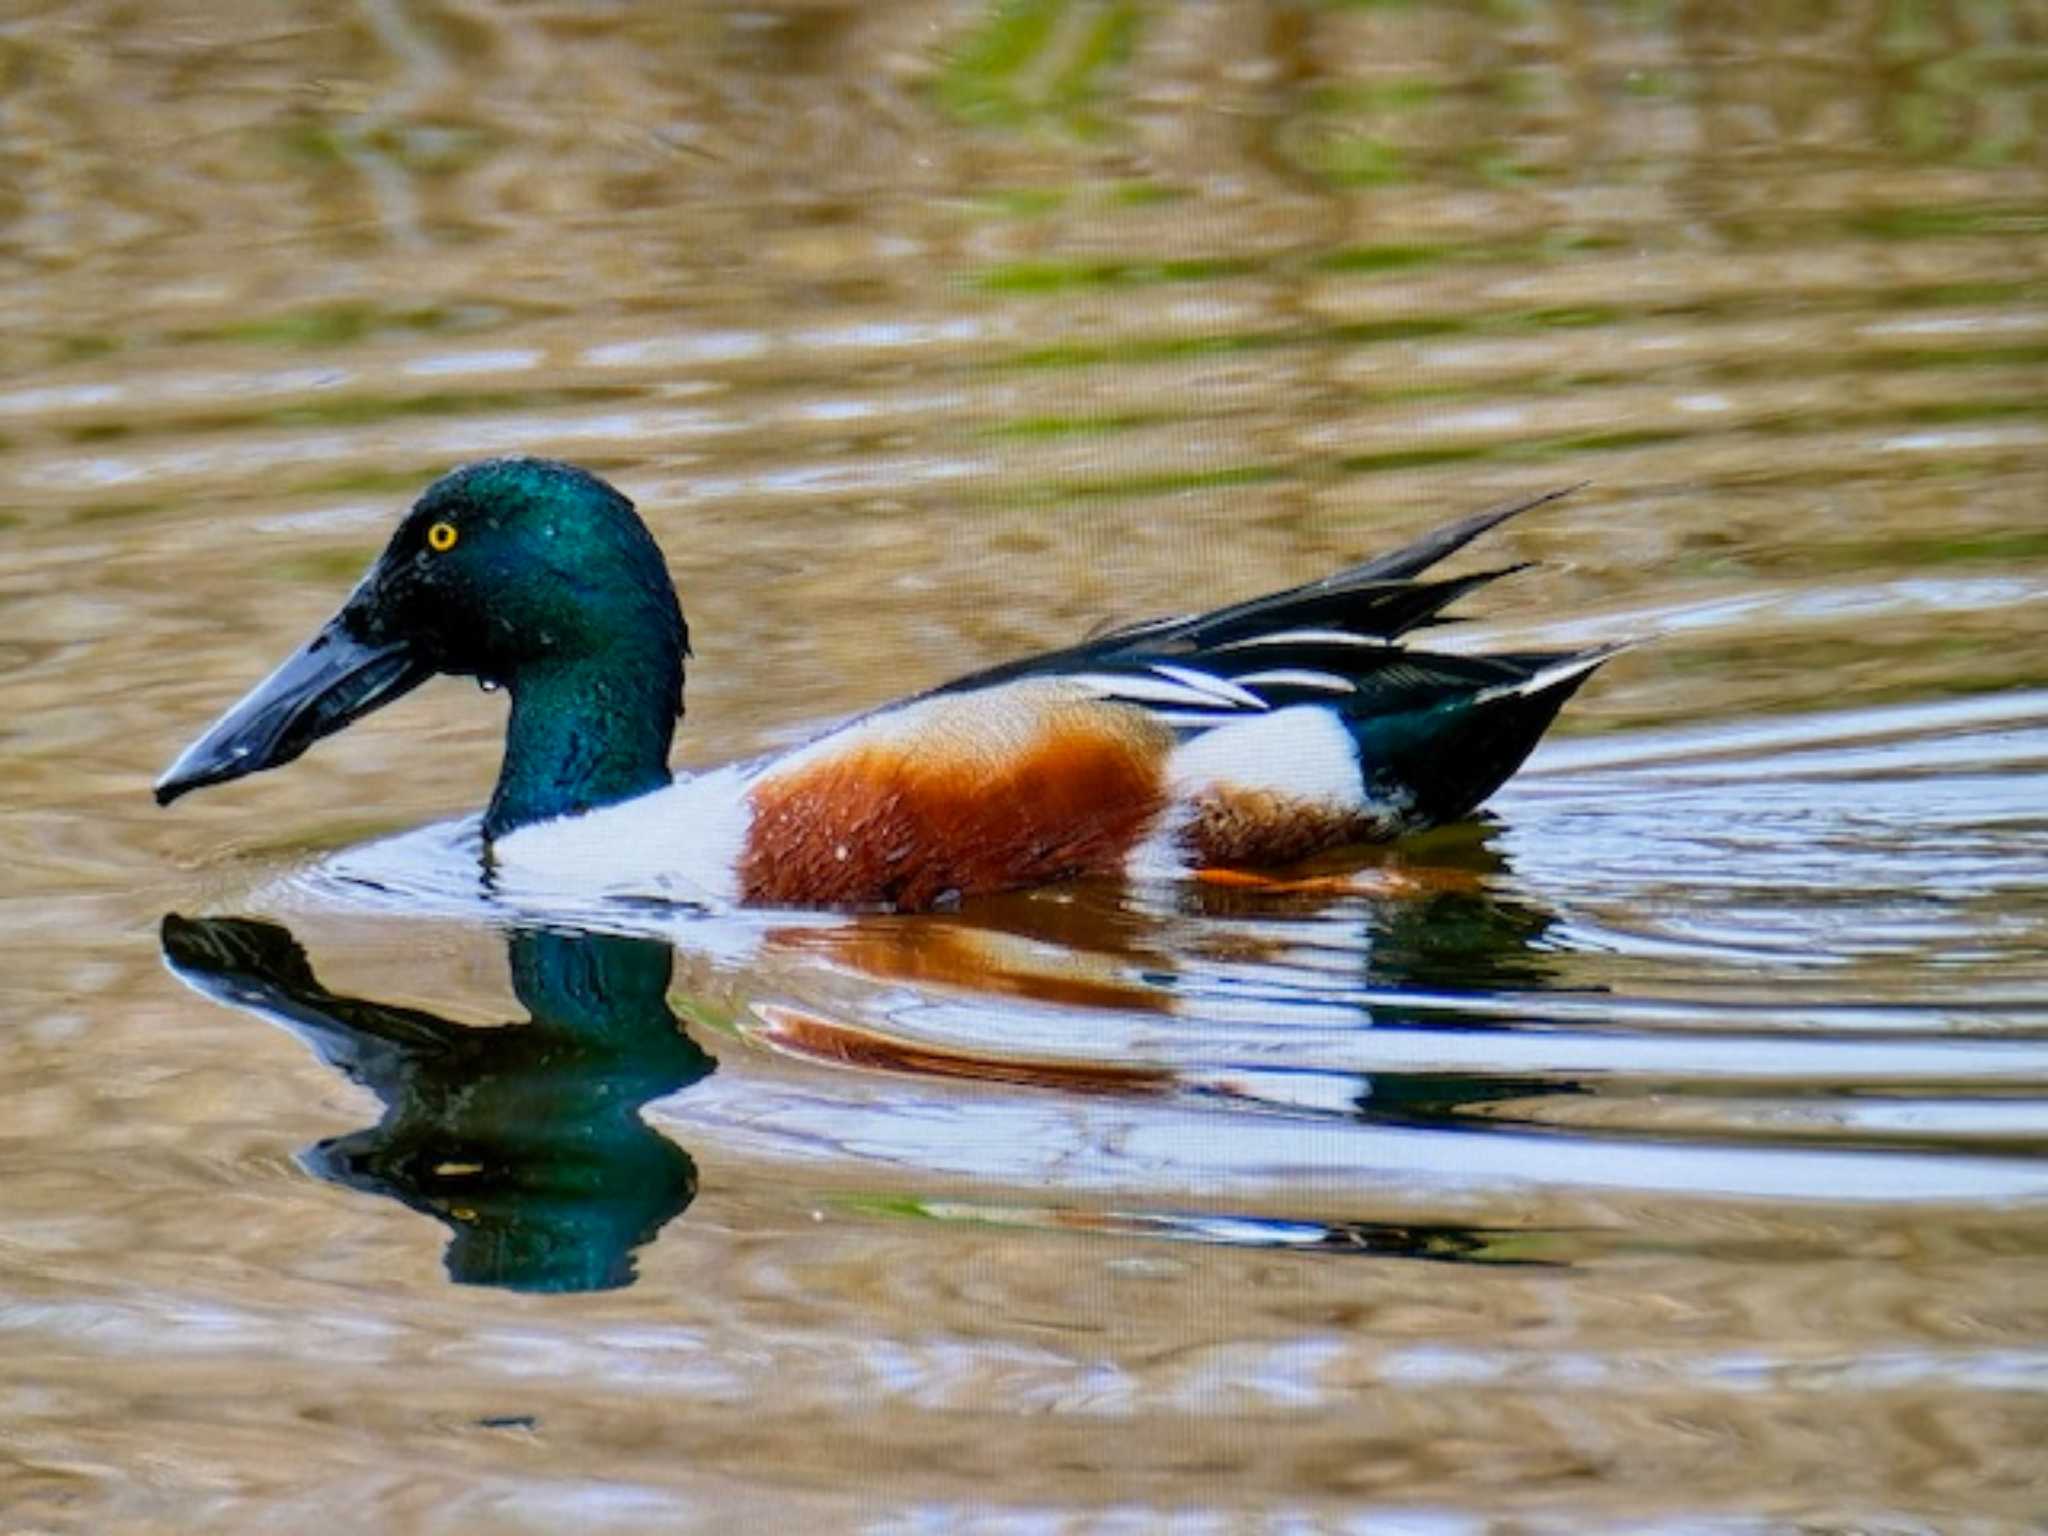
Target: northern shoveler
1252	735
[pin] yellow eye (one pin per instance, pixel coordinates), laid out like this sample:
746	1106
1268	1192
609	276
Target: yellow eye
441	538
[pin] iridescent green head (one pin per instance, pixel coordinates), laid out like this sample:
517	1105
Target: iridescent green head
528	574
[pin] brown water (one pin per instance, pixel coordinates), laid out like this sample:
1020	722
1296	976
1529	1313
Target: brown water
1663	1152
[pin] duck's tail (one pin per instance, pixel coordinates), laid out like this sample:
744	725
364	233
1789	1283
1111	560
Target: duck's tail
1444	759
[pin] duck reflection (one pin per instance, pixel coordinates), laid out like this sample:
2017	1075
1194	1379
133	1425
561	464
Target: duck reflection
526	1141
1436	913
1428	935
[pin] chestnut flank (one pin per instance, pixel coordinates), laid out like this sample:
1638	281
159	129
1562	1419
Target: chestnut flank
1228	825
1018	786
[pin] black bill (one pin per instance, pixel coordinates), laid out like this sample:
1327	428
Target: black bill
332	679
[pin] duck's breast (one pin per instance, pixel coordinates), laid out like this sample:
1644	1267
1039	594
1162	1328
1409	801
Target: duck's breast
678	844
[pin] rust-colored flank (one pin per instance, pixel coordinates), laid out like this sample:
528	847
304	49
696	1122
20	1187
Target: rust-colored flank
1023	785
1230	825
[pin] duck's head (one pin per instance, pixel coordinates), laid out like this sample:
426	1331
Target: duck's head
523	573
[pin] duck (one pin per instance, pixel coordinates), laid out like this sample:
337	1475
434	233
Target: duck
1242	738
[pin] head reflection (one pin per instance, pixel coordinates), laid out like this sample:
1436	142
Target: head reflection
526	1141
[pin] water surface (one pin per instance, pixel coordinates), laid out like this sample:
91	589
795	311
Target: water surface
1663	1150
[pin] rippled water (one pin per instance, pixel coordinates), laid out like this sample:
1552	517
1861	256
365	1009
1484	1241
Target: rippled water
1662	1151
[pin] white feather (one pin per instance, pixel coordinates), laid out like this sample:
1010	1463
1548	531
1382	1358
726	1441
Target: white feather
1299	677
1543	678
680	844
1222	687
1302	753
1309	637
1139	689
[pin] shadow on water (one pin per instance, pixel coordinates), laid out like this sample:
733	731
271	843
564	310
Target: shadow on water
526	1140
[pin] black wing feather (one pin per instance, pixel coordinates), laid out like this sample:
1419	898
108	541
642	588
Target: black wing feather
1376	602
1449	539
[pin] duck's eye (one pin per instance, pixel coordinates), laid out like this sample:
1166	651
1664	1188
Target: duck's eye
441	538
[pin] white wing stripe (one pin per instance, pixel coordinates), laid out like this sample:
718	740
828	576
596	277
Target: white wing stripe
1140	689
1221	687
1545	677
1299	677
1308	637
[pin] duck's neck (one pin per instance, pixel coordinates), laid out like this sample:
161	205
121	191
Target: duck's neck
582	736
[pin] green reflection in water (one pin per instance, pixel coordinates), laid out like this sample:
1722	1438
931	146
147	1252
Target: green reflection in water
1071	276
343	324
526	1141
1030	61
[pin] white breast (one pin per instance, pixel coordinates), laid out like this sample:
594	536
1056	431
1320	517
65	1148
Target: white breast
680	844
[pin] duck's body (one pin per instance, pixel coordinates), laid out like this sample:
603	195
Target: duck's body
1026	783
1256	734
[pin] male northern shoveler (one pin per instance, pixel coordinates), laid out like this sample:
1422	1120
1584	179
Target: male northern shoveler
1251	735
